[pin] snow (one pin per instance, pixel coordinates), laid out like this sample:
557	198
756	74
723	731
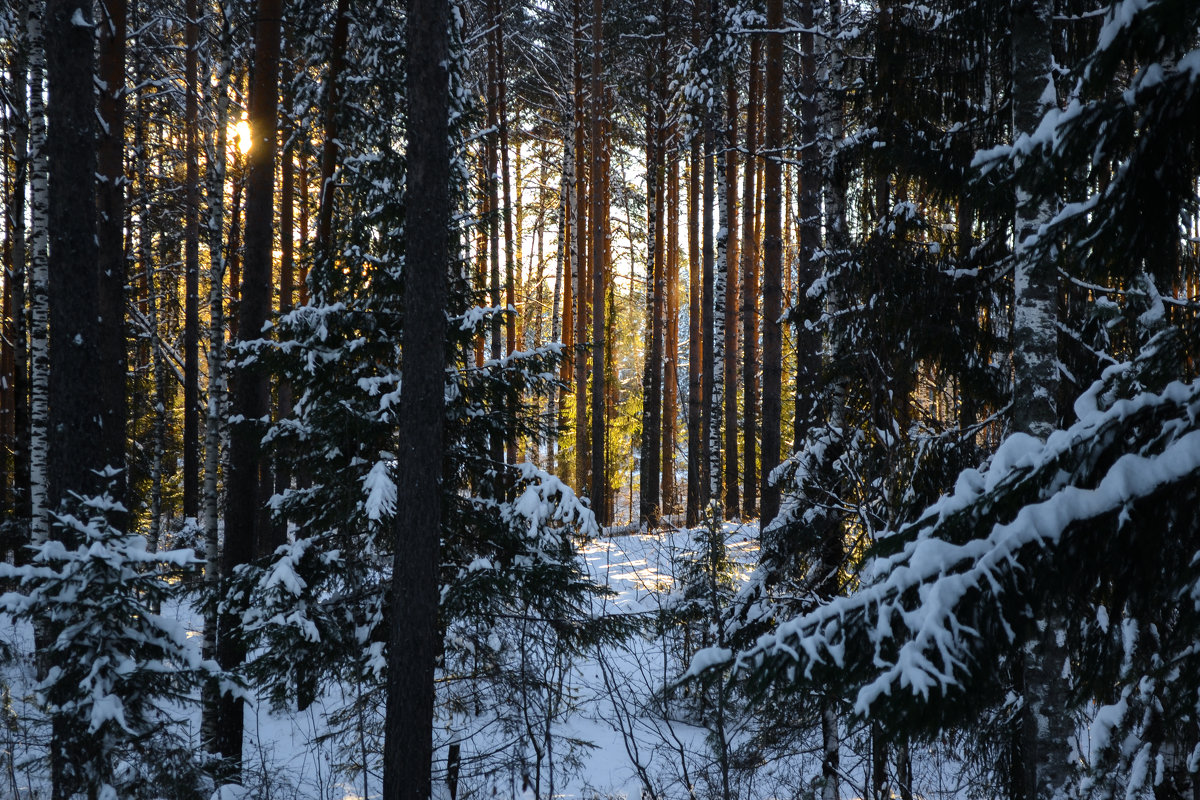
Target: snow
380	491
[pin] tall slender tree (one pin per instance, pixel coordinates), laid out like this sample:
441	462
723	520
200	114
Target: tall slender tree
413	636
247	485
772	408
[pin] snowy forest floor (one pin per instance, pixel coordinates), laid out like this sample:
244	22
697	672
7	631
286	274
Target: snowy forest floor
596	725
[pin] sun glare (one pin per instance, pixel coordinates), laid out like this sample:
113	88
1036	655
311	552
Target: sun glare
242	135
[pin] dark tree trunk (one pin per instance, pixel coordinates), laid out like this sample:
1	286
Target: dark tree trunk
247	484
772	261
808	343
191	265
412	647
331	146
76	441
599	482
652	375
110	196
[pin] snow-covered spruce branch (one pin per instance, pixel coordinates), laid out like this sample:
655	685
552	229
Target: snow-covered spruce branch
953	587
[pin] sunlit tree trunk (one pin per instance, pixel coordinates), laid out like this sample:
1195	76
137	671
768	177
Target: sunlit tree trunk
772	260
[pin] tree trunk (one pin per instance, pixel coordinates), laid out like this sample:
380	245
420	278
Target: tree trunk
77	446
750	293
583	297
808	343
695	339
1046	724
714	368
652	376
215	417
39	310
510	292
772	261
707	289
599	478
671	357
729	360
110	198
413	646
191	259
15	279
251	391
331	145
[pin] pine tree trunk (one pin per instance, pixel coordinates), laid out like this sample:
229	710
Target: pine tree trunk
772	261
331	146
110	198
750	292
808	343
599	478
76	450
583	181
651	441
510	262
191	258
413	637
251	391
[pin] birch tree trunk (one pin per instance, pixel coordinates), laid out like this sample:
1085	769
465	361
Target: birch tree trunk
671	346
729	359
1046	726
715	367
39	309
215	418
750	292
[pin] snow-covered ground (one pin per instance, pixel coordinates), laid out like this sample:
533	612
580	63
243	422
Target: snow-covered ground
598	725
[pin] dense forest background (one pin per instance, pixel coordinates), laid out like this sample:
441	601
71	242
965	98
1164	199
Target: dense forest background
911	289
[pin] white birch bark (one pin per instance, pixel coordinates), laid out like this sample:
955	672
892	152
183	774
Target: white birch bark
1046	723
720	285
39	280
215	414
